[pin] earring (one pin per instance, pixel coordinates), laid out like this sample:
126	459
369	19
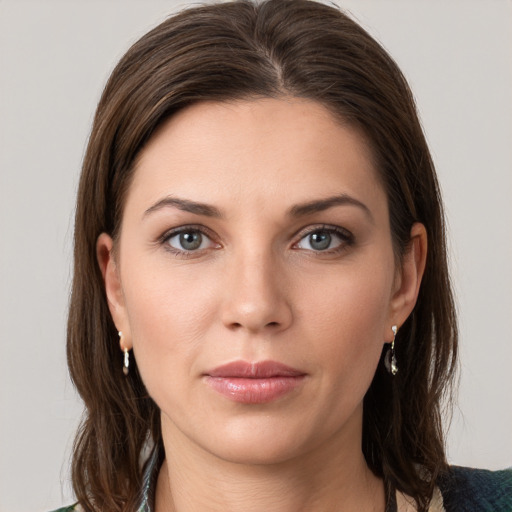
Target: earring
390	358
126	364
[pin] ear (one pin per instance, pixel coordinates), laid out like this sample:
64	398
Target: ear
408	278
113	288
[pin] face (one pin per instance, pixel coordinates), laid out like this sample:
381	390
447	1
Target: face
255	278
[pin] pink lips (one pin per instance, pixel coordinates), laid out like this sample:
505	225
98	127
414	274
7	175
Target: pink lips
254	383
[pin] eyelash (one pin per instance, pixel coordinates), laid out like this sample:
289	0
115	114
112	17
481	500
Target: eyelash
164	240
346	237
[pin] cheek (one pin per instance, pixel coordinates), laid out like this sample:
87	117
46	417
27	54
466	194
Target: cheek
169	313
347	317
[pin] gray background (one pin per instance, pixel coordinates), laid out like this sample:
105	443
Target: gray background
55	57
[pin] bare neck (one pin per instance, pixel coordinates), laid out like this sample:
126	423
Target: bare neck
331	477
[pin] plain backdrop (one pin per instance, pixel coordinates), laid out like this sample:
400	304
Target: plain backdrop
55	57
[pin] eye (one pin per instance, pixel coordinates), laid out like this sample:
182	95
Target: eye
188	240
325	239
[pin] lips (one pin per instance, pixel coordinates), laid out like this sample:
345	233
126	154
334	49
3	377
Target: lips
254	383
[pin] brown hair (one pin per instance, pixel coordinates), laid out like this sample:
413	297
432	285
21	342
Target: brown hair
239	50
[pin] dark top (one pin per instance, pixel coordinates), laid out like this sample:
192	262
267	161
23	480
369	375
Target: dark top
477	490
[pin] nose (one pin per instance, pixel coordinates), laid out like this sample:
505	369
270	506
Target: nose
255	295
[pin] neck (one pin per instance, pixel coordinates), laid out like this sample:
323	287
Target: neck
331	477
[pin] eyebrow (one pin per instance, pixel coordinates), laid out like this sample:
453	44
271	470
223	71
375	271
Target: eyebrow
320	205
186	205
298	210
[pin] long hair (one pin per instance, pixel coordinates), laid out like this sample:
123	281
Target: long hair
244	50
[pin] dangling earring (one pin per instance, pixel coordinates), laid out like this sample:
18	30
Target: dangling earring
126	364
390	358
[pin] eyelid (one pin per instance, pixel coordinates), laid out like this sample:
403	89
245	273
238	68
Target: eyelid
323	227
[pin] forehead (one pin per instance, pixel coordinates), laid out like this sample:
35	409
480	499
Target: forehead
255	152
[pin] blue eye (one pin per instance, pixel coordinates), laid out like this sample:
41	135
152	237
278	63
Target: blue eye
324	239
188	240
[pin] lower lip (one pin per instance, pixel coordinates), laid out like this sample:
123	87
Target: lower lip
254	391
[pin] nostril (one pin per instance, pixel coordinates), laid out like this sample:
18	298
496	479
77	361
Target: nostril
238	325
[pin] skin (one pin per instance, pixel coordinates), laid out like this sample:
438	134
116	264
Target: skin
258	288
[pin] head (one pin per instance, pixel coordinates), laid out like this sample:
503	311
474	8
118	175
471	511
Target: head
217	61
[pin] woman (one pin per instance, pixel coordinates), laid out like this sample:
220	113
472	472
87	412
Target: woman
261	315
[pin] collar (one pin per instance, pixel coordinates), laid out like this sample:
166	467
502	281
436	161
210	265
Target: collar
149	478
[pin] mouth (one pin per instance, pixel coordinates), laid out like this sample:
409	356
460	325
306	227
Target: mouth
254	383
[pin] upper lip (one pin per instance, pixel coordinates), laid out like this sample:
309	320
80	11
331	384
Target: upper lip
255	370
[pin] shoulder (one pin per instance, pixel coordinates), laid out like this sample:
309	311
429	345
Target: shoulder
71	508
476	490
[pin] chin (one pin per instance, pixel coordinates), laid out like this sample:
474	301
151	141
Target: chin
263	442
260	453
